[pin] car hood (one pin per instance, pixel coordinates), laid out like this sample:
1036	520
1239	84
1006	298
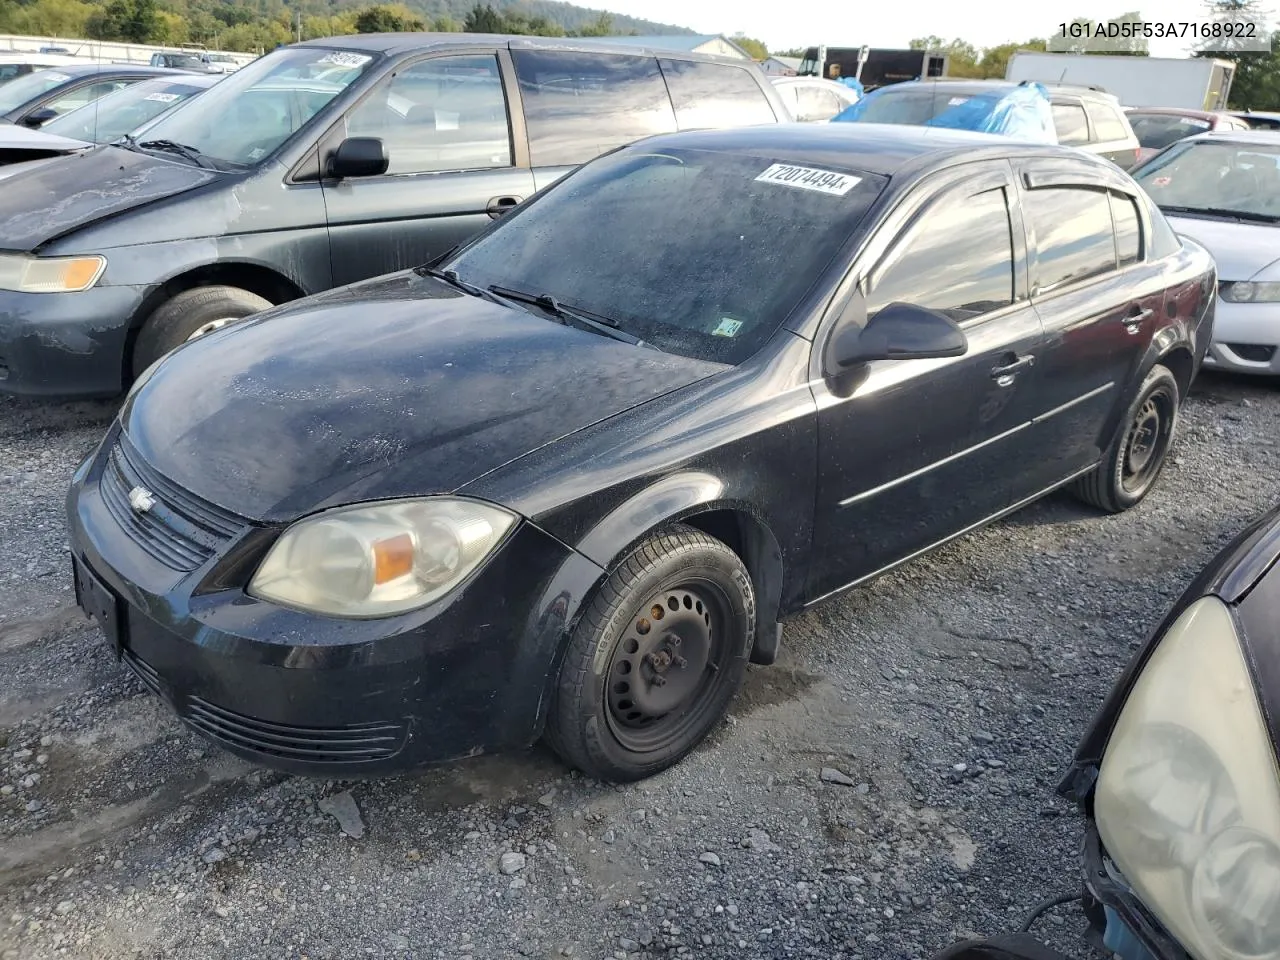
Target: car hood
9	170
50	200
15	137
1241	250
399	386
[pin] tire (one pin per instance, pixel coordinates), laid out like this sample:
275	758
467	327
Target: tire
188	314
1136	457
609	716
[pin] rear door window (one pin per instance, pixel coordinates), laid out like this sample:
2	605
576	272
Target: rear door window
1107	124
1074	236
445	113
712	95
1069	120
1128	227
580	105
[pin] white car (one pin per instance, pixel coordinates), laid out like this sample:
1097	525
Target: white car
813	99
1222	190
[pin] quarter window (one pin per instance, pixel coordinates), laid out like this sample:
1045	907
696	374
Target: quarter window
446	113
580	105
1107	125
712	95
956	259
1070	122
1074	237
1128	226
817	104
84	95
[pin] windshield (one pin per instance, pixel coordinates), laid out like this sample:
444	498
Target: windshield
696	252
915	107
182	61
116	114
17	92
1215	177
1155	131
243	119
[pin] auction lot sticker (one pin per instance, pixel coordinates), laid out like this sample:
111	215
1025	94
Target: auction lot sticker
809	178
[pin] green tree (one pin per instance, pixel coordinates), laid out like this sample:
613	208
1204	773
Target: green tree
447	25
1120	45
756	48
602	26
995	60
133	21
384	18
962	55
484	19
1256	85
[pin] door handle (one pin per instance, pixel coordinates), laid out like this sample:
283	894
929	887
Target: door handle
500	205
1004	374
1135	318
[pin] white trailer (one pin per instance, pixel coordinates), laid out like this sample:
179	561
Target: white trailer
1193	83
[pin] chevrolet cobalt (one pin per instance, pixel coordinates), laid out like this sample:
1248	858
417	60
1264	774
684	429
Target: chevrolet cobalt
568	479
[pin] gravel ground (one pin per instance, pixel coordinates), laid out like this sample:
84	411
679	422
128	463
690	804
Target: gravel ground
883	790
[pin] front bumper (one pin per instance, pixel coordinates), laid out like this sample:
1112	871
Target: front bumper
1109	900
1246	339
315	695
66	344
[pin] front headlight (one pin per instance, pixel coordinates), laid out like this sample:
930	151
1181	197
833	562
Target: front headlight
1188	796
1249	292
50	274
379	559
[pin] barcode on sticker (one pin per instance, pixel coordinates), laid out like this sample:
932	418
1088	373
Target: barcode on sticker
809	178
163	97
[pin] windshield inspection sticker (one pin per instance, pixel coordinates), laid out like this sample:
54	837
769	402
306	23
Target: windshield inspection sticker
728	327
57	77
343	59
807	178
163	97
956	101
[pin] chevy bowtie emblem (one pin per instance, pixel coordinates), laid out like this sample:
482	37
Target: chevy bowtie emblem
141	499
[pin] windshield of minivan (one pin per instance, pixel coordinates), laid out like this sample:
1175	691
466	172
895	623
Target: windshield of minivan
1218	178
116	114
701	253
243	119
17	92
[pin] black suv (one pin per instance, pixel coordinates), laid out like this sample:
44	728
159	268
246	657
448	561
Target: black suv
320	164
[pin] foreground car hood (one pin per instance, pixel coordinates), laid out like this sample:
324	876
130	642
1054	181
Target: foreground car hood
395	387
1241	250
16	137
9	170
53	199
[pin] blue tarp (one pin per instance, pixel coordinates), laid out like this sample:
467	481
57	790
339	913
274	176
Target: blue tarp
854	84
1021	112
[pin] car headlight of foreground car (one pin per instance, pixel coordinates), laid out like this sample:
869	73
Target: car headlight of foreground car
1249	292
380	559
49	274
1188	794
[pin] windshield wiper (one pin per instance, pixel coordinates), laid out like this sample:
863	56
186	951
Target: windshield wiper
1225	212
593	322
181	149
451	277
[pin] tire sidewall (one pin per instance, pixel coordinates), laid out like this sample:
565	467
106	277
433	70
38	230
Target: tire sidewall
1159	379
705	562
172	324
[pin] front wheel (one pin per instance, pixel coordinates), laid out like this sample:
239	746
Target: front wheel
1136	457
656	659
189	315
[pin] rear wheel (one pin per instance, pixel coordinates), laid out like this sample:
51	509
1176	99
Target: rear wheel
657	658
189	315
1136	457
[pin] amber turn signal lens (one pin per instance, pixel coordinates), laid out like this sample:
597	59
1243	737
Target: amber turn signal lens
392	558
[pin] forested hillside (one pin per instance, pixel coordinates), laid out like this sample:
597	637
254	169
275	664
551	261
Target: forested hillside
252	25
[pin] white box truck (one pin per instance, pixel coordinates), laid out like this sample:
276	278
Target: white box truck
1194	83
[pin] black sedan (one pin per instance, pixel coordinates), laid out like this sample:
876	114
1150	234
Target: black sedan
38	97
571	477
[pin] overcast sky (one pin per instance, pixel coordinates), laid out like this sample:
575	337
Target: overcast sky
797	23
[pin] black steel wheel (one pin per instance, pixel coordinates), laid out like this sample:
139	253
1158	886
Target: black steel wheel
1133	462
657	658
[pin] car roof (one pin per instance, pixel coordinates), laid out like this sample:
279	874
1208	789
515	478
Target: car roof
401	43
1246	114
125	69
1178	112
878	148
974	86
1256	138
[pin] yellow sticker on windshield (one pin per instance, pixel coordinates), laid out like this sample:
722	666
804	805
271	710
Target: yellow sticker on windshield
728	327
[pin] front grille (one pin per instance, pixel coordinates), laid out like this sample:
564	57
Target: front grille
1254	352
357	743
180	530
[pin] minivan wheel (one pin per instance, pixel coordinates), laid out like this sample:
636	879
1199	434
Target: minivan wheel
656	659
189	315
1137	455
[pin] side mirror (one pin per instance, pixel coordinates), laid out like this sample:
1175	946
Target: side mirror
901	331
39	118
358	157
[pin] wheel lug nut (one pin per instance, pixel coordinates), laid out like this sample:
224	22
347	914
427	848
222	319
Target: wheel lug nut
659	680
679	661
